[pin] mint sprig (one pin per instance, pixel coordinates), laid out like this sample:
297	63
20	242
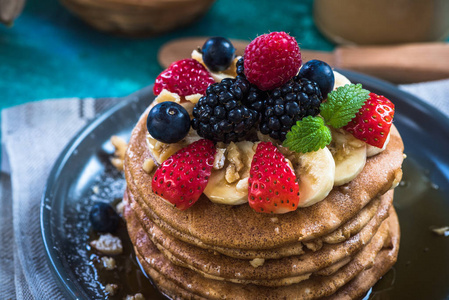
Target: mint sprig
309	134
312	133
342	104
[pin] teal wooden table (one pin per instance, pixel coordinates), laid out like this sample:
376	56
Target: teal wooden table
50	53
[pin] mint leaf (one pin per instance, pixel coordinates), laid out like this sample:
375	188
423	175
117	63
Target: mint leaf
309	134
342	104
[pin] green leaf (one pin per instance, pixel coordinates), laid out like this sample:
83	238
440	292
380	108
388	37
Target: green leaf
309	134
342	104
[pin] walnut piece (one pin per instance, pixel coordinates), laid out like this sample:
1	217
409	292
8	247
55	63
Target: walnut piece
257	262
111	289
108	244
120	150
137	296
108	263
167	96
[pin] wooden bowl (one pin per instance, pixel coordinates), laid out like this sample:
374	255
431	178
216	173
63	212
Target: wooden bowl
138	17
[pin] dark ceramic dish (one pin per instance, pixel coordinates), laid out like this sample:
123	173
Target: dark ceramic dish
422	199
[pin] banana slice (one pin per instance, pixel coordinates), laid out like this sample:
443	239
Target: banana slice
340	80
373	150
161	151
349	154
231	189
218	190
316	172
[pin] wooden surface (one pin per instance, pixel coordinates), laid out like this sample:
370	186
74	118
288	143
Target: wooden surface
398	64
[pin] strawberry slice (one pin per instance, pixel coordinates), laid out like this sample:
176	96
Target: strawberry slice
272	182
184	77
182	178
373	121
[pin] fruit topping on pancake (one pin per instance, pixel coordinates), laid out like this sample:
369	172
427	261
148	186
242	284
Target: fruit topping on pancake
268	131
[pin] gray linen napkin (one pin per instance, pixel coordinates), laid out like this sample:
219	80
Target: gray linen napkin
32	137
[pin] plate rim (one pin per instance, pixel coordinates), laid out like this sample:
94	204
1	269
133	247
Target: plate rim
45	216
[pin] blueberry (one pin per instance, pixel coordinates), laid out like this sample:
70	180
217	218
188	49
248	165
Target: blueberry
103	217
321	73
218	53
168	122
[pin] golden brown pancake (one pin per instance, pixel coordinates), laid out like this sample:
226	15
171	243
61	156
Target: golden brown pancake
203	223
177	281
286	270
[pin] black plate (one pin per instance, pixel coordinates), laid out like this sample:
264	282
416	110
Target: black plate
422	201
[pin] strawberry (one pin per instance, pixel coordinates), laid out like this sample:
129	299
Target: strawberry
184	77
271	60
372	122
272	182
182	178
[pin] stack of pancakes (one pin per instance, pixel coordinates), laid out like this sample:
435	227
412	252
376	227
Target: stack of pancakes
337	248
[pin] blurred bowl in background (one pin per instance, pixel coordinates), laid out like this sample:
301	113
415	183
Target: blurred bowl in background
382	21
138	17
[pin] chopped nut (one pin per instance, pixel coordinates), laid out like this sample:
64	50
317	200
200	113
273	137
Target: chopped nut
444	231
257	262
117	163
166	95
111	289
120	150
234	156
137	296
108	263
194	98
231	174
219	159
148	165
108	244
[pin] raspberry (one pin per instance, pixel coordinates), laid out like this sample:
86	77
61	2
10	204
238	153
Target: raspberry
184	77
271	60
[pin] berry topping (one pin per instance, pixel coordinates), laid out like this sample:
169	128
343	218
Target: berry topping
271	60
373	121
285	106
103	217
182	178
321	73
221	116
218	53
184	77
272	181
168	122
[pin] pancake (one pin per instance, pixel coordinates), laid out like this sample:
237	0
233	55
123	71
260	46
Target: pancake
202	224
286	270
177	281
360	285
345	231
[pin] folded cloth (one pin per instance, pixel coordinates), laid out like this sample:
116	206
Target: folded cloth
33	135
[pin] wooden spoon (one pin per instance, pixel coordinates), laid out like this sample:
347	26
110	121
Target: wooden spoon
405	63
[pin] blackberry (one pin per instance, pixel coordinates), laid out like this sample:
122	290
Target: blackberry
256	97
288	104
221	114
240	67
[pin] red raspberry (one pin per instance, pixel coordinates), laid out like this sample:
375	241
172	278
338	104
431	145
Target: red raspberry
184	77
372	122
271	60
